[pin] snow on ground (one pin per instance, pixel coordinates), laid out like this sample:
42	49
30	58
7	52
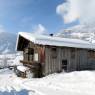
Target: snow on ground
74	83
10	59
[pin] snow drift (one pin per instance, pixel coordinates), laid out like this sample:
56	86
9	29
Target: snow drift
74	83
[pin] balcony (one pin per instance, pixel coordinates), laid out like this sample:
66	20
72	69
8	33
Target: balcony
26	62
32	65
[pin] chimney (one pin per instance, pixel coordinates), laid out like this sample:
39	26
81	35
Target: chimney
51	34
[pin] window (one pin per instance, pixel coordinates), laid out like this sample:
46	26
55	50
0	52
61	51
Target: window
91	54
29	54
31	51
26	54
54	52
64	65
36	57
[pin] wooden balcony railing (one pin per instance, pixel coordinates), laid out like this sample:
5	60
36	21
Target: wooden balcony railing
31	65
26	62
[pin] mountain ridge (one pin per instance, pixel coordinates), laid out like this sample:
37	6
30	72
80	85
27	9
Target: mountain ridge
7	42
84	32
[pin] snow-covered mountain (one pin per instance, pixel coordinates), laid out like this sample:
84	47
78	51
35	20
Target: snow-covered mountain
85	32
7	42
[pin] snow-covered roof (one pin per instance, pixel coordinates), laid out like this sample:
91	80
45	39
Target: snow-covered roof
55	41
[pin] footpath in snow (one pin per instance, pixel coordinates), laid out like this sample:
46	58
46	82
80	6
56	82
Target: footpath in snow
74	83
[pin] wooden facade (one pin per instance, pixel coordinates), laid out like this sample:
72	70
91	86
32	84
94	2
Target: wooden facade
47	59
56	59
68	59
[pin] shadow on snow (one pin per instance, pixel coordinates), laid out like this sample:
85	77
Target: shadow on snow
14	92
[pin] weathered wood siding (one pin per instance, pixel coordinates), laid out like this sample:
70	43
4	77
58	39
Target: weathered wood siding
91	59
52	64
83	59
77	59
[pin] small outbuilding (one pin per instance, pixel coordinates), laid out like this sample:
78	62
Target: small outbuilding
48	54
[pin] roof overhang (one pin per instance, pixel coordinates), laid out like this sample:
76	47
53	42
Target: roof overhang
52	41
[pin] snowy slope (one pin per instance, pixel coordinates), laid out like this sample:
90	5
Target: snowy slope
75	83
7	42
85	32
